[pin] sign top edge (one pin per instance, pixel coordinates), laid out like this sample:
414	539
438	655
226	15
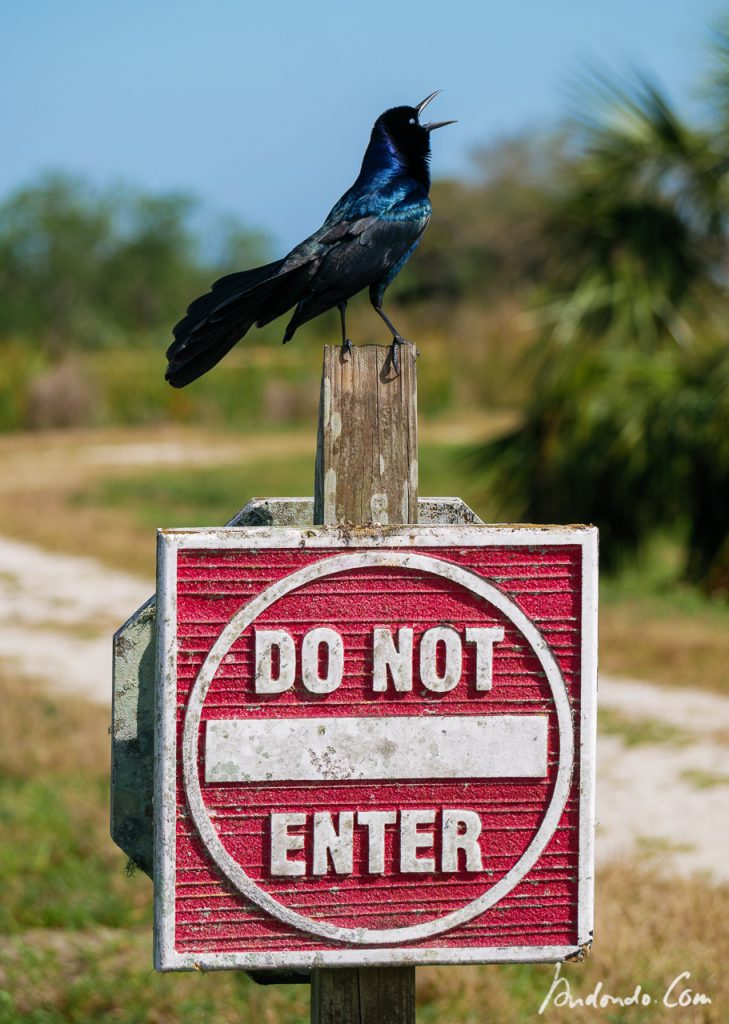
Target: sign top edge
376	534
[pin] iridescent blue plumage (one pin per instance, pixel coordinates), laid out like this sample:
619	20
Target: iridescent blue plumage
365	241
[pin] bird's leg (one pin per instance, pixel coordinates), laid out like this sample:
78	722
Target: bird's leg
346	343
397	338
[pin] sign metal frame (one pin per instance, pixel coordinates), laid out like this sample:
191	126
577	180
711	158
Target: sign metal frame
373	948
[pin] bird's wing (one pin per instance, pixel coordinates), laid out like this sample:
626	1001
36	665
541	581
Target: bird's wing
361	255
331	233
352	255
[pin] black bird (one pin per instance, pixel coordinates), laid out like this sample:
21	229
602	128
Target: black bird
365	241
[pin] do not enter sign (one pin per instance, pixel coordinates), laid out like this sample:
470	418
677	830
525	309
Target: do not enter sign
375	746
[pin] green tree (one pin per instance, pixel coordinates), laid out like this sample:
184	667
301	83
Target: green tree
487	238
52	242
82	268
626	424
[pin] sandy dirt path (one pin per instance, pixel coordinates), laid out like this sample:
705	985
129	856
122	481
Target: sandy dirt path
663	765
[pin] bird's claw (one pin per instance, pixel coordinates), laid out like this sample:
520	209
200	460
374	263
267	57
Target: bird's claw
346	348
397	341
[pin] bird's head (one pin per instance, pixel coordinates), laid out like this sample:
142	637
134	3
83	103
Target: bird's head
407	139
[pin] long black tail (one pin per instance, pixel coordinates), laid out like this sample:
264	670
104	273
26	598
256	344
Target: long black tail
216	321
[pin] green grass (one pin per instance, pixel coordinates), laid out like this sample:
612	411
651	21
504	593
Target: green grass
196	496
58	867
637	732
653	577
658	846
55	873
705	780
106	976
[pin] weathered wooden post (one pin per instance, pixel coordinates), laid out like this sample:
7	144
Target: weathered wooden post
367	442
371	722
366	472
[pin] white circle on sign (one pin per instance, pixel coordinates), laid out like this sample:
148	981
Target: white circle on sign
249	613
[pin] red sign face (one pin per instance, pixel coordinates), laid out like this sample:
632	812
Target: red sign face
375	749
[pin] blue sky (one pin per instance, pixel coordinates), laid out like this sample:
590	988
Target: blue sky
264	109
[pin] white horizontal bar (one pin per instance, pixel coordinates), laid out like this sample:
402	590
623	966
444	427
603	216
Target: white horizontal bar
394	747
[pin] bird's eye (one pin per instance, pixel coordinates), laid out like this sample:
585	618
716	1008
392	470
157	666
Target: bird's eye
412	121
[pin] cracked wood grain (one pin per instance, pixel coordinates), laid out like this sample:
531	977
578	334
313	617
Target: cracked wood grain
367	444
367	995
366	472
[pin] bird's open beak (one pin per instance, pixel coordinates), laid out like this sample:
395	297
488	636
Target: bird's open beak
431	125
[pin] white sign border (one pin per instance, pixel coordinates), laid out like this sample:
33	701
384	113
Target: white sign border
169	542
246	615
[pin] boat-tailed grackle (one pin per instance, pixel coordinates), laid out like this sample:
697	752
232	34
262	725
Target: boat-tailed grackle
369	235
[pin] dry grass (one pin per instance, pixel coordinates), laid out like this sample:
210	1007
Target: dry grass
57	491
670	648
43	737
648	931
46	474
105	974
51	519
61	525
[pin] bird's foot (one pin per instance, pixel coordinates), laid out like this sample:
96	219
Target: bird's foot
346	349
397	341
